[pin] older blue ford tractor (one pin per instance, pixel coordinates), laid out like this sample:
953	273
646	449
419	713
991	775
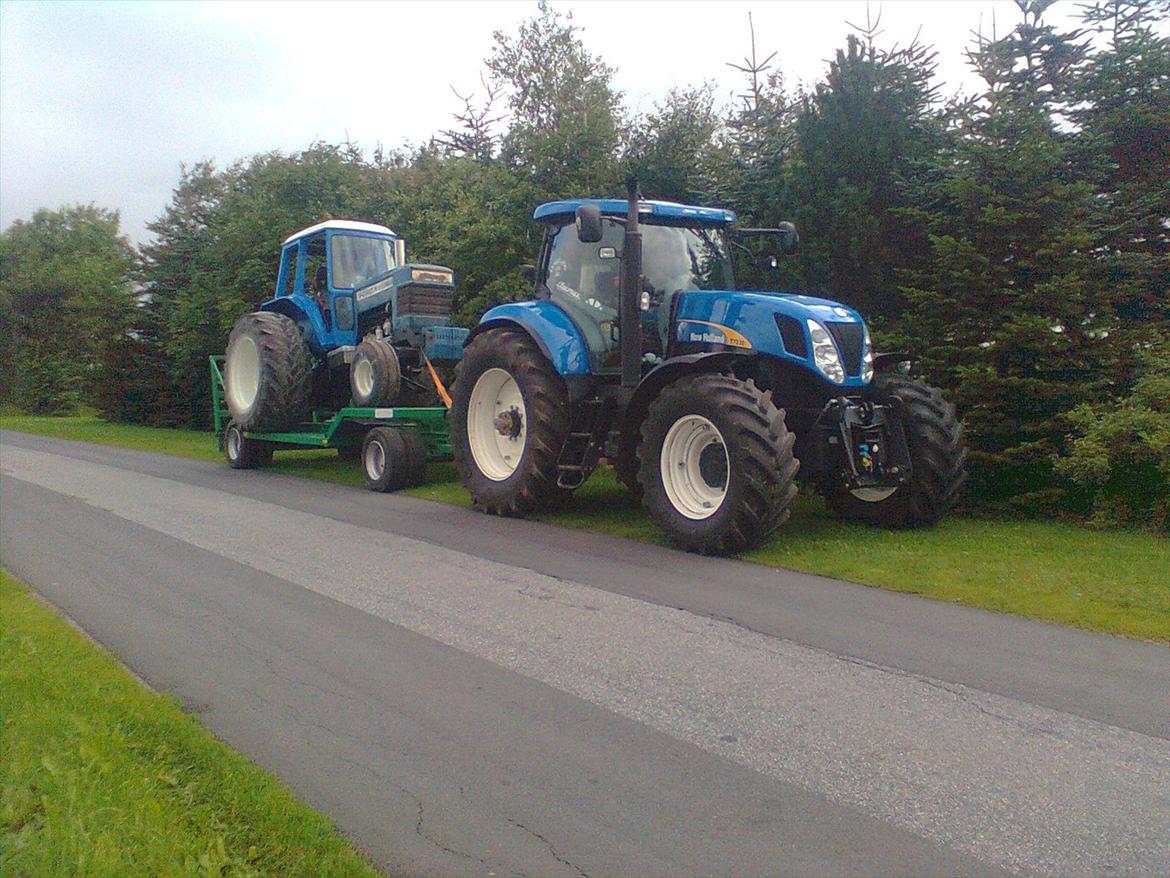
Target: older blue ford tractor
354	337
710	402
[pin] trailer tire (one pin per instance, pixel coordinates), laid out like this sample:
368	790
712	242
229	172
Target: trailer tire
384	459
416	456
375	375
686	427
242	452
505	387
938	458
267	373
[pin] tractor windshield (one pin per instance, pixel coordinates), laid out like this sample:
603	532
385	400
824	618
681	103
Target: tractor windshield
357	260
680	258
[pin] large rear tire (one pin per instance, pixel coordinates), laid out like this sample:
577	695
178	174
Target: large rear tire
717	469
938	457
267	373
509	418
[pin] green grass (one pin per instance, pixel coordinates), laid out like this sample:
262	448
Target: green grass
101	777
1112	581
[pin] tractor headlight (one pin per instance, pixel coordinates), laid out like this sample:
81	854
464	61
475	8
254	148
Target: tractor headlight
867	360
825	353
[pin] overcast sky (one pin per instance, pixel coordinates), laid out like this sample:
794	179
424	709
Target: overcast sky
102	102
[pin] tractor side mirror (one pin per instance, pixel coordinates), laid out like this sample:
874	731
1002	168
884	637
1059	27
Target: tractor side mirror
588	223
789	239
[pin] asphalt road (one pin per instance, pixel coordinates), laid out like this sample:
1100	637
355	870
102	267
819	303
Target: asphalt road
470	695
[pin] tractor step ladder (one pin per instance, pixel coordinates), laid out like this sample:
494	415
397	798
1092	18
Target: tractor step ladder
573	463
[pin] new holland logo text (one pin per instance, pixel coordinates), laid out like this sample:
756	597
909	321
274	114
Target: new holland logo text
711	333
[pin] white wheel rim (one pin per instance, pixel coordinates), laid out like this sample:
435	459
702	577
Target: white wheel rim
243	368
873	495
681	465
497	447
363	378
233	444
375	460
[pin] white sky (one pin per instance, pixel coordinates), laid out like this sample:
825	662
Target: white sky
102	102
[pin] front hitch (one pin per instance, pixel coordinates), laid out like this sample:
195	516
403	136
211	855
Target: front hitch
865	442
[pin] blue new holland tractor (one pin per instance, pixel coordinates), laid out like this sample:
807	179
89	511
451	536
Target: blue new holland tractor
710	402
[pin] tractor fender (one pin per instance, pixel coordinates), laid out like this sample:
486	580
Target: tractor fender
550	327
666	372
306	314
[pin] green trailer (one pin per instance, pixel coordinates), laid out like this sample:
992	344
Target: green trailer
393	444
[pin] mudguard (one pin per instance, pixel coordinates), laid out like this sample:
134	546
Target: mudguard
307	315
551	328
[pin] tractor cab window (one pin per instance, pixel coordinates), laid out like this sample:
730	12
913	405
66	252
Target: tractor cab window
358	260
585	280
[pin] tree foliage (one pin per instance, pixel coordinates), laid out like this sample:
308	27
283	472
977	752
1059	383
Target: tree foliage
64	294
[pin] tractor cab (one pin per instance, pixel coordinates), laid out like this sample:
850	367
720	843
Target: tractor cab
323	266
684	248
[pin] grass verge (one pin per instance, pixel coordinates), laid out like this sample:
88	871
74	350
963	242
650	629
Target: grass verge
1111	581
99	776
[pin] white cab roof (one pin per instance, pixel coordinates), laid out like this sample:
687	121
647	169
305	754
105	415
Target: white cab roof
348	225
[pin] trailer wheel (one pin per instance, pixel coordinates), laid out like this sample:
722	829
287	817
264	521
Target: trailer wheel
242	452
375	375
509	418
416	456
267	372
717	468
384	461
938	457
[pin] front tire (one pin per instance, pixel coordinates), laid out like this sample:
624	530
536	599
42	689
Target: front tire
375	375
717	470
509	418
267	373
938	457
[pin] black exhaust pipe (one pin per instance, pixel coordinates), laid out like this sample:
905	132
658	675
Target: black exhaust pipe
631	293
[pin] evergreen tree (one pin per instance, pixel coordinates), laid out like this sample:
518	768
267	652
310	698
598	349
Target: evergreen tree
872	124
564	128
1002	313
1122	146
672	147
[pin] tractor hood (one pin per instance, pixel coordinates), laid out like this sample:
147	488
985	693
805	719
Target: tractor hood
774	324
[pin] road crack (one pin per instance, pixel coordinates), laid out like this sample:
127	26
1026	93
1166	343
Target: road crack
548	845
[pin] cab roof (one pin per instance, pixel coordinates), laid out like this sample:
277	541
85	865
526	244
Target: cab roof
617	207
347	225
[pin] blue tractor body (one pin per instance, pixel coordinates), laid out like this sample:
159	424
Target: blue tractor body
341	280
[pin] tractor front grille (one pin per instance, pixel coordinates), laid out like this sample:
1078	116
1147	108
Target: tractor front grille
850	339
419	300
